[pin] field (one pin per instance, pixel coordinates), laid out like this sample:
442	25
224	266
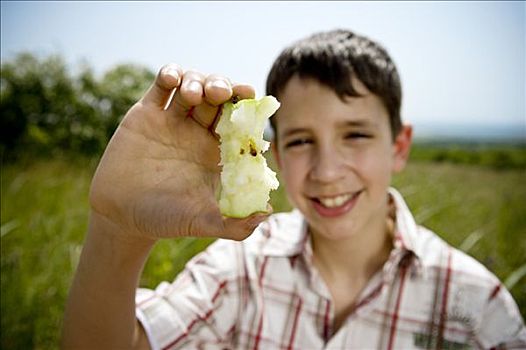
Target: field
480	209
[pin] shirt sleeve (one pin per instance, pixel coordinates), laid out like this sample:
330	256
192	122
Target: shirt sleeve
501	325
200	306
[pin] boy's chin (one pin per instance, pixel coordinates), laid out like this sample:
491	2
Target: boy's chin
335	231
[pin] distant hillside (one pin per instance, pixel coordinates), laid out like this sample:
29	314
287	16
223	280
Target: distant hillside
498	154
468	133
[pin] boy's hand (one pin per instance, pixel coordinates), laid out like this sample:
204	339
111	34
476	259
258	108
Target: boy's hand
159	173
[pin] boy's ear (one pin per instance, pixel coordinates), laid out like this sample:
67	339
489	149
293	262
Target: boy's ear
402	147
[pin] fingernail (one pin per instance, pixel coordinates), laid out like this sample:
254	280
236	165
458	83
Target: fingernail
172	71
194	86
221	84
177	78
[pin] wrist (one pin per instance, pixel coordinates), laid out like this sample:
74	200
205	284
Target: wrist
108	249
101	228
101	306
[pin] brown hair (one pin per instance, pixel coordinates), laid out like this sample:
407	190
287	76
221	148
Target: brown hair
333	58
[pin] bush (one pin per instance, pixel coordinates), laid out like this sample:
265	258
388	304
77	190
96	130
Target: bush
47	110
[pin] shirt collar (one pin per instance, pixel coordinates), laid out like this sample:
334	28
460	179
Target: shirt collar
285	234
406	230
282	235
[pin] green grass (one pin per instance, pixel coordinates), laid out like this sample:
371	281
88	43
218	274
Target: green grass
44	214
44	218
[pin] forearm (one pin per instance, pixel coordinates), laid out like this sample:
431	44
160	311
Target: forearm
100	312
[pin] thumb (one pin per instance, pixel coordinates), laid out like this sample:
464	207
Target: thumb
168	78
239	229
210	223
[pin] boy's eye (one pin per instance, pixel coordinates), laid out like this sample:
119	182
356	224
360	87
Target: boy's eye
357	135
298	142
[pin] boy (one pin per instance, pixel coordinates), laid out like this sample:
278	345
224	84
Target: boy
349	268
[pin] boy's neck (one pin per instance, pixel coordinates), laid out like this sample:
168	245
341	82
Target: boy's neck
355	258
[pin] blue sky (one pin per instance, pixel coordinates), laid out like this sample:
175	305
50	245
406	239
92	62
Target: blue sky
461	63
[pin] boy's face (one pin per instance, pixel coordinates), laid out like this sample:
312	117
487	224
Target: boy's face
336	158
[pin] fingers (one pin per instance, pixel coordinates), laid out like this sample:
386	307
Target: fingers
168	79
196	95
194	89
218	90
191	92
201	97
243	91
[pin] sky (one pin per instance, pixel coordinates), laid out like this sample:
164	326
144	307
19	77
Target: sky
461	63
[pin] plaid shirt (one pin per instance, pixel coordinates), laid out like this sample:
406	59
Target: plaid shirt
265	293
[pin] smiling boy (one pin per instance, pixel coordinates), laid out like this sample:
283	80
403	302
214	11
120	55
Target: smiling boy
347	269
338	176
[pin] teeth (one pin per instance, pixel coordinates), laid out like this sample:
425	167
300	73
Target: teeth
335	201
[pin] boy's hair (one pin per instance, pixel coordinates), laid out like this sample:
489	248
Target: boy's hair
333	58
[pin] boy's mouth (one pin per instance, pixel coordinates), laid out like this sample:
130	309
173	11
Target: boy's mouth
335	205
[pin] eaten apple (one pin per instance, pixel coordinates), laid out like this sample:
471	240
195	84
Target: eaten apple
246	179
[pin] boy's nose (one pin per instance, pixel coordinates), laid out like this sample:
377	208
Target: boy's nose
328	166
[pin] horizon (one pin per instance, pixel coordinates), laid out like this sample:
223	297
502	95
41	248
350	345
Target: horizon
482	132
